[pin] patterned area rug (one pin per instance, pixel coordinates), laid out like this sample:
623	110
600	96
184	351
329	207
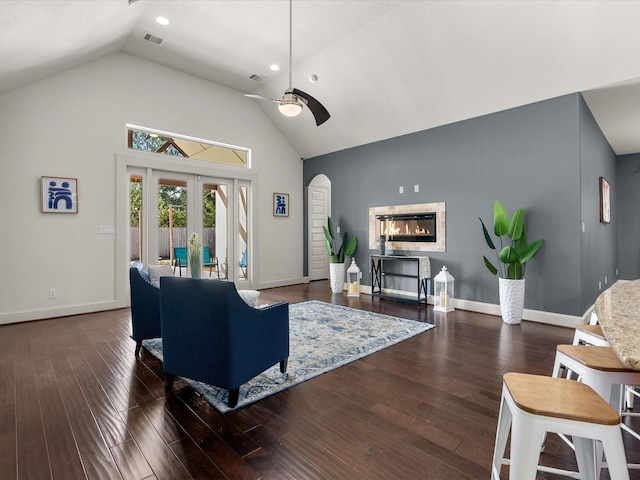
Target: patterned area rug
322	337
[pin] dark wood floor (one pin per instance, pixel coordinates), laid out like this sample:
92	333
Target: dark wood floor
76	403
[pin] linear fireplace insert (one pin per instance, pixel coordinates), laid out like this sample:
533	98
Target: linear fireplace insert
407	227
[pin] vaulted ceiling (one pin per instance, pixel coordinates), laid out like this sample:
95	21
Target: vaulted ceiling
384	68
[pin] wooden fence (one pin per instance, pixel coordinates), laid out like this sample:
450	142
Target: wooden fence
180	238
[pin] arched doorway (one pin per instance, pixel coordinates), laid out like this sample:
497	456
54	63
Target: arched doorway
318	209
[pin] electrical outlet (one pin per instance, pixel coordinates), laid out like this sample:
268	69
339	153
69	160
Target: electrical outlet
53	293
401	189
416	188
605	279
599	285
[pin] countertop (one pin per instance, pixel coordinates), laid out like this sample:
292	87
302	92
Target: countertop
618	311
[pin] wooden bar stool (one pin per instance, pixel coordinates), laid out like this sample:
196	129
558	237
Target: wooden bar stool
598	367
533	404
602	370
590	335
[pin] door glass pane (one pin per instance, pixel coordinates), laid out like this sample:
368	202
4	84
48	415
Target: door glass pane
213	214
221	216
243	233
135	218
172	224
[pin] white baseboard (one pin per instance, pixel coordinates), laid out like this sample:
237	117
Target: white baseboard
53	312
538	316
281	283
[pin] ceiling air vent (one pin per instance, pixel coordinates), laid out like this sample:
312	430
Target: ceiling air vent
152	38
257	78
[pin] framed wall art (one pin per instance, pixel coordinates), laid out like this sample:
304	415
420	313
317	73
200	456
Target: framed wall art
280	204
605	201
59	195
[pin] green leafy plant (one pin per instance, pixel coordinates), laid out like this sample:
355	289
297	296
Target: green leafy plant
512	257
347	246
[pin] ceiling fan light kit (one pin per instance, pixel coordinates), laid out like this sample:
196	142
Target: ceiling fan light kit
290	105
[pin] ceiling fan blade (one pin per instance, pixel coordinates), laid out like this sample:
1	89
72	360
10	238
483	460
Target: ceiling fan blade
260	97
319	112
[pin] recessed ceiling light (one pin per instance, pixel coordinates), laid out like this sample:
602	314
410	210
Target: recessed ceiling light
162	20
275	67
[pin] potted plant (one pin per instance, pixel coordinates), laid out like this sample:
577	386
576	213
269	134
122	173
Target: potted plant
336	255
512	259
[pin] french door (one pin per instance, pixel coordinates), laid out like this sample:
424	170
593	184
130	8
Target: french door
166	208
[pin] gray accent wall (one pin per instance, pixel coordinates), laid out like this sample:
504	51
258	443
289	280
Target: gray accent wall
545	157
628	214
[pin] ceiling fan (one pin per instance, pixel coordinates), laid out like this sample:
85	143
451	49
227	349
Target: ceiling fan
293	99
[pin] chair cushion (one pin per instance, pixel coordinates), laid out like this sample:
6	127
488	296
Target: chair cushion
157	271
250	297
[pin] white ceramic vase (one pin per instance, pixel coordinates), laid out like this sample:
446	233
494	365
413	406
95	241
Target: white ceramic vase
336	277
511	300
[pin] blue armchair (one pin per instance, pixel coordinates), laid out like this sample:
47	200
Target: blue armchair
209	334
145	306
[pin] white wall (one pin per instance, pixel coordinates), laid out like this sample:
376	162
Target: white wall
73	125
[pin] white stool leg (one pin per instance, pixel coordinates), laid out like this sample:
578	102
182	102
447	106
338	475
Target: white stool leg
504	425
614	452
526	435
586	456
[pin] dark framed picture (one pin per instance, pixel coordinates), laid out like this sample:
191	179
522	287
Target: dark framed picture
280	204
59	195
605	201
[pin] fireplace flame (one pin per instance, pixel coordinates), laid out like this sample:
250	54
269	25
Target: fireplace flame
392	229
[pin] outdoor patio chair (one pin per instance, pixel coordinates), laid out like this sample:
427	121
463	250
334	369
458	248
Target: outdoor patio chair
179	258
209	261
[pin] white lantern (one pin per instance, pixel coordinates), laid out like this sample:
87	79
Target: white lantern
443	291
353	279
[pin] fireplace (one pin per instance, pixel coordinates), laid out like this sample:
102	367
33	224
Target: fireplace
407	227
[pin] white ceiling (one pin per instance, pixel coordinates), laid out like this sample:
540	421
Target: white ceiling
385	68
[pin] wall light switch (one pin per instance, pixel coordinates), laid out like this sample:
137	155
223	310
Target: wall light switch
401	190
416	188
106	230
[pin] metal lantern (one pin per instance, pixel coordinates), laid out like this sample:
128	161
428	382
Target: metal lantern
443	291
353	279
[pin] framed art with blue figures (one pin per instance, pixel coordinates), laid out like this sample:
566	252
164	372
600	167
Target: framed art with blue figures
59	195
280	204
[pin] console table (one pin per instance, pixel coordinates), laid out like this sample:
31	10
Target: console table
421	273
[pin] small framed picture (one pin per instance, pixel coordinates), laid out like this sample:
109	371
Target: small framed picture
280	204
605	201
59	195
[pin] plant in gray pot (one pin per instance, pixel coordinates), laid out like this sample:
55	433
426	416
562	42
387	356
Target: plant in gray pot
512	258
336	255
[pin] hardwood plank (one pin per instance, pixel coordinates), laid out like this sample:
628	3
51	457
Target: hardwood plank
159	457
32	454
95	454
113	429
131	462
8	441
61	444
